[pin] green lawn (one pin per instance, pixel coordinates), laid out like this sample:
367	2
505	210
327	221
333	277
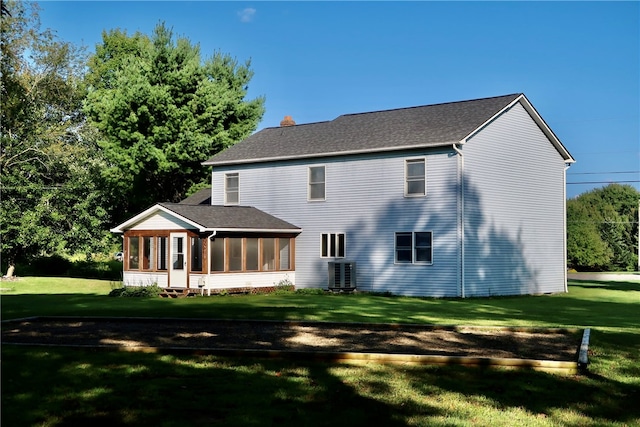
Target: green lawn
53	386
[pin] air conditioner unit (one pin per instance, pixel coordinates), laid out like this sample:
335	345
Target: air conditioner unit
342	275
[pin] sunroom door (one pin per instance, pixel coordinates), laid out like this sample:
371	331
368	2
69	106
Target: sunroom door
178	266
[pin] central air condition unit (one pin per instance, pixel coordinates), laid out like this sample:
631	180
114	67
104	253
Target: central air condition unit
342	275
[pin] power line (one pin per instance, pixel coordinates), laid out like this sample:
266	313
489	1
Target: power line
600	173
603	182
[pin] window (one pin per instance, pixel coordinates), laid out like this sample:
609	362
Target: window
316	183
252	254
268	254
178	253
235	254
134	253
415	177
163	253
196	254
231	189
147	253
217	254
285	259
333	245
414	248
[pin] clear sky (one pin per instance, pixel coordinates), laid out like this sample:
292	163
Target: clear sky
577	62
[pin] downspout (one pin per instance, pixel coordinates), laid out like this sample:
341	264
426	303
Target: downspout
462	218
564	220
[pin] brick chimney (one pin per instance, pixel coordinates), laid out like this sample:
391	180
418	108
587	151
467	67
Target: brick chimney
287	121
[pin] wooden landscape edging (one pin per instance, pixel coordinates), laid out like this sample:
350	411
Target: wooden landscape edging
551	366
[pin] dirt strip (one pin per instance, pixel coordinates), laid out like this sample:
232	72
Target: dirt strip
520	343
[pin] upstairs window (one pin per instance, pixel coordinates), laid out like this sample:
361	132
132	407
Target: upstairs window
415	178
231	189
332	245
316	183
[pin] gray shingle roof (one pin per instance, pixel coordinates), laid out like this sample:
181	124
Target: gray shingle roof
425	126
200	197
230	217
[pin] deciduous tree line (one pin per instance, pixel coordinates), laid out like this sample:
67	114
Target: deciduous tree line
90	139
602	229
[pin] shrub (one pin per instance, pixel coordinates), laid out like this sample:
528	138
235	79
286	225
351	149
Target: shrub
111	269
310	291
284	286
144	291
47	266
59	266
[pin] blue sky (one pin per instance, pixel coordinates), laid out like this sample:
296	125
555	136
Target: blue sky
577	62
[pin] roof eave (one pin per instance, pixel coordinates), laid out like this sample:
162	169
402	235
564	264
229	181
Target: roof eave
328	154
259	230
150	211
555	141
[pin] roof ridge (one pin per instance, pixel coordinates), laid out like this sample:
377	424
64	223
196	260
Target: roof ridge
397	109
432	105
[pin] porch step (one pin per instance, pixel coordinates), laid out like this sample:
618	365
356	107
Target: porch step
175	293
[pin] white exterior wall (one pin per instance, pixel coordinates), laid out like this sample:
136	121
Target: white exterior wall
243	280
514	209
212	281
136	278
161	221
365	200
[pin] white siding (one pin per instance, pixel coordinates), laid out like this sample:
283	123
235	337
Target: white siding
213	281
134	278
514	209
246	280
364	199
161	221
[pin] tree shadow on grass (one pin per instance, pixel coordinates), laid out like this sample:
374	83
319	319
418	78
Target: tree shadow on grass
601	400
610	286
81	387
71	388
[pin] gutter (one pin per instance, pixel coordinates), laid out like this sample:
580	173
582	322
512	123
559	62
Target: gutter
218	163
462	218
567	165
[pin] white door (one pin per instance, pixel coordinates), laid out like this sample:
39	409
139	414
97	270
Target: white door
178	266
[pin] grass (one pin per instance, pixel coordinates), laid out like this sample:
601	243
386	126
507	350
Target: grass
57	387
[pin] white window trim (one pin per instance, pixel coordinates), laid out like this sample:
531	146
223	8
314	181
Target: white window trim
337	240
413	248
226	201
309	199
406	182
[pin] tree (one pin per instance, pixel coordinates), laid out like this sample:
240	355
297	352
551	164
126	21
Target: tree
48	162
585	247
602	229
161	112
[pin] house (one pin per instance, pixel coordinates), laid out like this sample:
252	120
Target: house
449	200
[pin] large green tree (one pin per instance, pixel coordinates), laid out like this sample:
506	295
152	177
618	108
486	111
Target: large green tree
49	161
161	111
602	229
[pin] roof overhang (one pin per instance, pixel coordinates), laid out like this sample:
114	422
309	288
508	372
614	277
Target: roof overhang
195	225
328	154
555	141
153	210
